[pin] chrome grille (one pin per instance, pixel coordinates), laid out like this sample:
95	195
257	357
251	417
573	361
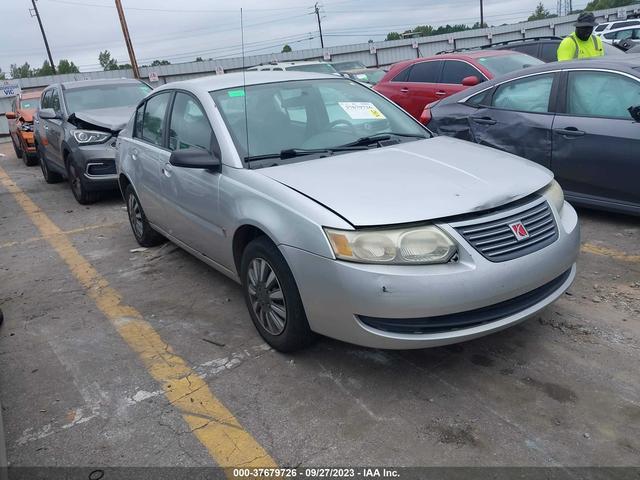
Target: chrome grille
497	243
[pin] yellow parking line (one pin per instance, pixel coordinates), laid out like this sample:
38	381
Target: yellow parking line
609	252
209	420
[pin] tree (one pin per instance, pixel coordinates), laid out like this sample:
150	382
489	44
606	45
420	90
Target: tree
393	36
65	66
23	71
44	70
602	4
540	13
106	62
124	66
2	76
156	63
199	59
286	49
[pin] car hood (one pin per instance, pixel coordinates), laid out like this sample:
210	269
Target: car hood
414	181
26	115
114	118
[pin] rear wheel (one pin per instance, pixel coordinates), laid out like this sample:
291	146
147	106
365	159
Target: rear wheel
78	185
145	235
49	176
272	297
16	148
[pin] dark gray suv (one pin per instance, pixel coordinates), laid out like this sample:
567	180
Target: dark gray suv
76	128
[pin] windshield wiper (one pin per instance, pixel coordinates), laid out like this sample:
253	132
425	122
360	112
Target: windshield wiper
301	152
380	137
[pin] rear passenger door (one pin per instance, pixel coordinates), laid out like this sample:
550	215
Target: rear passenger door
596	143
453	72
148	153
420	87
193	214
519	118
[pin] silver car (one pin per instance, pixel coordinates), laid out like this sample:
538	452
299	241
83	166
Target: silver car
340	215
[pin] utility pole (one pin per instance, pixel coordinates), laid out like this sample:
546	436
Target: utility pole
127	40
319	24
46	43
481	15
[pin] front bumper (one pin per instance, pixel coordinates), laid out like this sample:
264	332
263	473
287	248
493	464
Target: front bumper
27	142
98	162
339	295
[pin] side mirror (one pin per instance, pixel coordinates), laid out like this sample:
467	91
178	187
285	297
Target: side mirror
47	113
635	113
194	158
10	115
470	81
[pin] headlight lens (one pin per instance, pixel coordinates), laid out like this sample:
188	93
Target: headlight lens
26	127
554	195
408	246
85	137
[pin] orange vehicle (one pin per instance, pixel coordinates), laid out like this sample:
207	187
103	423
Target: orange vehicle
20	120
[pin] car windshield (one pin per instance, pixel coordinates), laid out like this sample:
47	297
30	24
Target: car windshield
342	66
372	77
313	67
30	103
105	96
502	64
311	115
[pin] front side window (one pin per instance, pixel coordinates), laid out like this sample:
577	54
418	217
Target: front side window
310	114
153	119
601	94
137	128
549	52
600	28
502	64
528	48
455	71
189	126
530	94
55	101
105	96
425	72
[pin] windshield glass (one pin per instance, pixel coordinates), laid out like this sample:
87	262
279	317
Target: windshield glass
342	66
105	96
313	67
309	114
30	103
503	64
371	77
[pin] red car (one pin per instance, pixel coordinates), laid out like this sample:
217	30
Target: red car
413	84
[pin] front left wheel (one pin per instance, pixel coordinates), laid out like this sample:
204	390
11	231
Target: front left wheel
272	297
78	184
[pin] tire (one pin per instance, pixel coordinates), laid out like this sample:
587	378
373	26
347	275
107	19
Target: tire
30	160
49	176
145	235
16	148
274	303
78	185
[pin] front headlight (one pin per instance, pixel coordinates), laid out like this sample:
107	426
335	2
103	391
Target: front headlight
407	246
26	127
85	137
554	195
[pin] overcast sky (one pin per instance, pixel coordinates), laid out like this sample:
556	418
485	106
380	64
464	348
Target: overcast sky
160	29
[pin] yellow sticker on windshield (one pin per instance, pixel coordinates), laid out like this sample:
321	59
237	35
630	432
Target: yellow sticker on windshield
362	110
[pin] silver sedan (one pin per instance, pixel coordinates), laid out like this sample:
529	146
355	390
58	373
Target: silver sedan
340	215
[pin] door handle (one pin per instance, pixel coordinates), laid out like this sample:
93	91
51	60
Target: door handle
569	132
404	90
46	127
440	93
167	169
134	154
484	120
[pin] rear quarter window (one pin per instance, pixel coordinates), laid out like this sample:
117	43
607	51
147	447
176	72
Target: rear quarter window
403	76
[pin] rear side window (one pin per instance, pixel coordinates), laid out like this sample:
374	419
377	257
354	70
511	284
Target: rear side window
528	48
601	94
189	125
529	94
549	52
153	119
403	76
624	24
455	71
425	72
481	99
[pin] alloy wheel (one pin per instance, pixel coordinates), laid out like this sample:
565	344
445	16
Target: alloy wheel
267	298
135	216
75	180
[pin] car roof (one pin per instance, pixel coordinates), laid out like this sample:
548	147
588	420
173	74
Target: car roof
466	55
238	79
291	64
89	83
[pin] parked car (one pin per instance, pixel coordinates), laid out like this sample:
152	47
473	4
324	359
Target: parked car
76	128
608	26
544	48
634	50
412	84
616	36
575	118
345	65
311	66
369	76
20	120
340	215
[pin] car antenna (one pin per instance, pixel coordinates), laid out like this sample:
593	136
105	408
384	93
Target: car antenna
244	81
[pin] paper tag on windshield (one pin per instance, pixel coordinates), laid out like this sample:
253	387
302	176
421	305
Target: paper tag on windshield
362	110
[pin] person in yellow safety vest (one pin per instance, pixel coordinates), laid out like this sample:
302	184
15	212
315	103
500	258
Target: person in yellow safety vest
581	43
